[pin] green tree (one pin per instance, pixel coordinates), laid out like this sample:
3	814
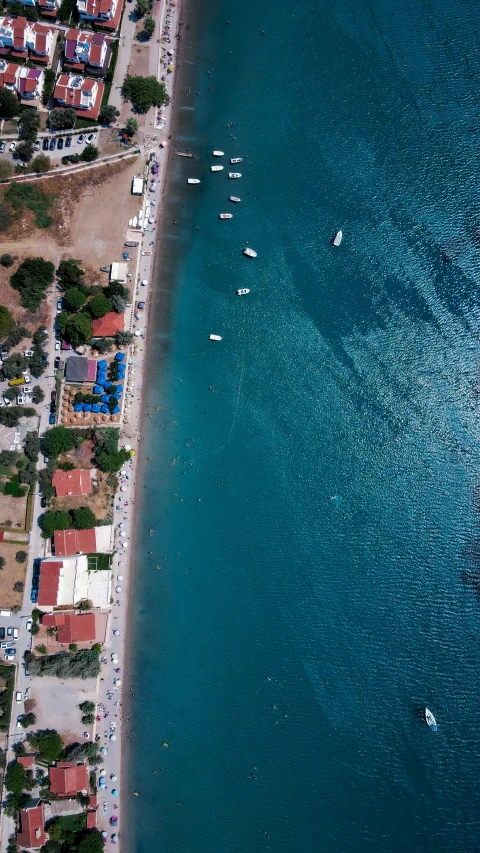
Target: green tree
6	260
145	92
15	778
24	150
29	124
118	303
87	707
21	557
27	720
9	106
5	217
11	417
14	365
61	119
70	274
57	440
37	395
41	163
73	299
78	329
83	518
31	279
142	7
31	445
2	563
73	647
108	114
6	320
18	586
123	339
111	462
55	520
149	26
89	841
48	84
131	126
6	170
103	345
89	153
99	306
49	744
88	719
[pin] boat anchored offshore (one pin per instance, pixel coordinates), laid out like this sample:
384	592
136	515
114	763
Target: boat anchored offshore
234	174
249	253
337	239
193	181
242	291
216	168
218	153
183	154
215	337
234	198
236	160
430	720
225	215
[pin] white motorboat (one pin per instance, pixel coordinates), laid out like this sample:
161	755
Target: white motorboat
337	239
249	253
193	181
215	337
242	291
430	720
216	168
234	198
225	215
234	174
236	160
218	153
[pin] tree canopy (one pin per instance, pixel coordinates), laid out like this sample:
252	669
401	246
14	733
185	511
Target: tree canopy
9	105
40	163
149	26
55	520
24	150
49	744
89	153
57	440
99	306
145	92
70	274
6	321
73	299
76	328
83	518
6	170
108	114
60	119
31	280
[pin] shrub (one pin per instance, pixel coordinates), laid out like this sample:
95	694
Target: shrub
35	199
88	719
89	153
42	649
41	163
21	557
73	647
31	280
87	707
57	440
103	345
82	664
48	742
6	320
11	417
37	395
6	170
2	560
73	299
60	119
131	126
6	260
14	490
144	92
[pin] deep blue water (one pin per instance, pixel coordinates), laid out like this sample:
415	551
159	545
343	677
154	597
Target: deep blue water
315	529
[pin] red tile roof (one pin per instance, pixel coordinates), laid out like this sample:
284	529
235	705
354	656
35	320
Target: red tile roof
72	627
49	580
68	779
30	85
92	819
108	326
26	760
69	542
95	54
32	822
73	483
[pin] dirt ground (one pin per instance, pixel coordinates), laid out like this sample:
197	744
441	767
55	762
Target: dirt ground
13	510
56	705
81	456
12	573
100	501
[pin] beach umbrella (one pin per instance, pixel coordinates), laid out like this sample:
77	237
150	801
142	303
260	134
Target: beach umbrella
121	525
114	792
118	589
123	488
127	448
103	751
116	633
122	533
119	577
125	544
113	777
113	737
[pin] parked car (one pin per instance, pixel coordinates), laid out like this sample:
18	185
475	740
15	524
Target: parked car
43	502
57	362
68	141
45	143
3	645
27	673
37	145
15	633
2	633
51	419
2	147
12	147
53	396
53	407
34	596
59	304
7	402
60	143
141	306
91	137
57	345
9	631
9	656
53	144
80	138
104	269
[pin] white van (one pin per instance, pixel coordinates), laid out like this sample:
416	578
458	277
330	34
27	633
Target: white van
15	633
18	696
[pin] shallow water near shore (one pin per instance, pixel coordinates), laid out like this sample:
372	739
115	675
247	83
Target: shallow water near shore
311	482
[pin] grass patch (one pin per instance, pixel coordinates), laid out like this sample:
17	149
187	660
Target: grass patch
7	673
84	123
15	490
72	822
99	562
20	196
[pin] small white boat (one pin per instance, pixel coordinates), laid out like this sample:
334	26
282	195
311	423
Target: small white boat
430	720
337	239
242	291
234	174
218	153
216	168
249	253
215	337
183	154
225	215
193	181
234	198
236	160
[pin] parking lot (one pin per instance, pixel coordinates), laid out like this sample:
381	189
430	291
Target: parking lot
55	145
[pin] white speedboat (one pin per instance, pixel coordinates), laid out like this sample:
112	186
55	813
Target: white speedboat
236	160
193	181
430	720
337	239
216	168
234	174
242	291
218	153
249	253
225	215
234	198
215	337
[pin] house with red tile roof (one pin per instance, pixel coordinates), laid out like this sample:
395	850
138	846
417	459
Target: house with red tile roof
27	39
72	627
79	93
67	779
72	483
108	326
68	580
96	540
26	761
31	832
104	13
27	83
49	8
83	51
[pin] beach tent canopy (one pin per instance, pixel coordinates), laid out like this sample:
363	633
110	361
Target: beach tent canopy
103	363
78	407
104	408
96	408
97	389
105	398
87	407
120	356
116	410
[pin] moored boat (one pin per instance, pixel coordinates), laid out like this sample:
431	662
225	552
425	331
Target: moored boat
215	337
218	153
183	154
216	168
234	174
131	243
249	253
236	160
234	198
193	181
337	239
430	720
242	291
225	215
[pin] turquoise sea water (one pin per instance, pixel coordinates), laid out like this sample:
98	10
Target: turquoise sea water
312	477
